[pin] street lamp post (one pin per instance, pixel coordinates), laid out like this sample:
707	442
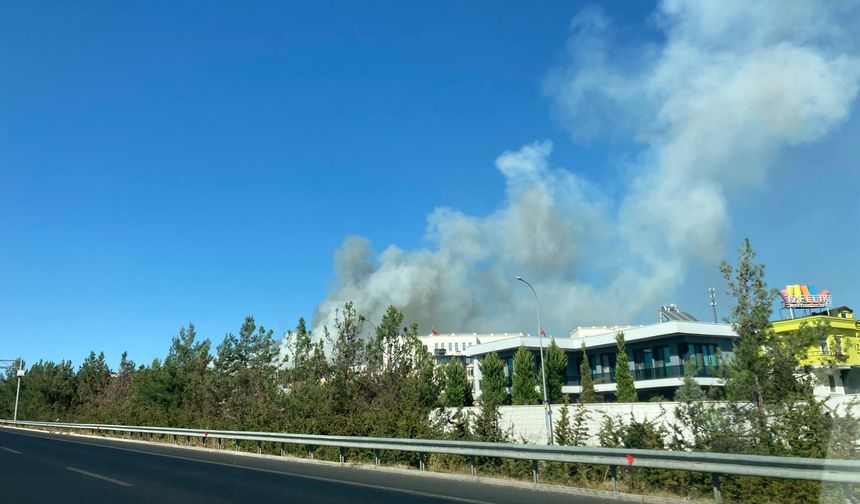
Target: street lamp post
18	366
546	405
19	373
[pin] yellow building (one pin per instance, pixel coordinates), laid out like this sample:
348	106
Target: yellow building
837	355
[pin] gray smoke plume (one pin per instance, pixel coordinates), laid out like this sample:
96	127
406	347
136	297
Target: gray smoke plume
710	112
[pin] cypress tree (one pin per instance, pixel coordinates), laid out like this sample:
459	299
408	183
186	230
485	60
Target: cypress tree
524	381
556	371
456	388
625	390
493	380
586	381
691	390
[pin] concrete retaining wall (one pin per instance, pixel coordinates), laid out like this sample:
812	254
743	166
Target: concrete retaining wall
528	422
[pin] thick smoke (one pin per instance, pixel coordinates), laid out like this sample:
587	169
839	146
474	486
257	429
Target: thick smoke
709	111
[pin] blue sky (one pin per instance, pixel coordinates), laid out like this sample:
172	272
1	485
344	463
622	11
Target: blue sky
164	163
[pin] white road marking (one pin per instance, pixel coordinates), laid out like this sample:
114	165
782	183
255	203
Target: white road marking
99	476
10	450
260	469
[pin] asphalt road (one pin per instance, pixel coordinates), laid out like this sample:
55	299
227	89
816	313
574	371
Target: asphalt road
40	467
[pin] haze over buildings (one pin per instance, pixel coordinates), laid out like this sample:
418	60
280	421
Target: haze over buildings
712	110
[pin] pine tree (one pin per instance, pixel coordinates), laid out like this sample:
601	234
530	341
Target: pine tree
524	381
93	377
579	426
48	393
383	348
625	390
562	426
303	343
456	386
493	388
764	370
348	350
750	320
556	371
488	424
691	390
764	367
571	430
586	381
348	357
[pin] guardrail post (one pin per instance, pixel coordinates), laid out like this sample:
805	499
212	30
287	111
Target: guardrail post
237	445
613	473
310	452
259	447
422	465
472	466
283	449
342	454
376	457
715	483
535	471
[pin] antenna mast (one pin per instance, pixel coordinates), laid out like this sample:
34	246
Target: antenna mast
713	295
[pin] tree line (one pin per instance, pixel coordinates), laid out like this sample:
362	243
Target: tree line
345	382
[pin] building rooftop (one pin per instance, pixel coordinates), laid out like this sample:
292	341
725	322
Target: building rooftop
607	336
584	332
472	335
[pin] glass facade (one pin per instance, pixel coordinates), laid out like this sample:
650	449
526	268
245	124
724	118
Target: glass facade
652	360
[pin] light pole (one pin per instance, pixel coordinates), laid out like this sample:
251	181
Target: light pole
546	406
19	372
18	366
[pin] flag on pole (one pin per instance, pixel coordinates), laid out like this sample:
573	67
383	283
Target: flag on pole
542	333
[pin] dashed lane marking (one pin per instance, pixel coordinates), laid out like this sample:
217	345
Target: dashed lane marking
99	476
260	469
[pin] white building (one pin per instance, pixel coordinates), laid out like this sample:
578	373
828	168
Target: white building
657	354
445	347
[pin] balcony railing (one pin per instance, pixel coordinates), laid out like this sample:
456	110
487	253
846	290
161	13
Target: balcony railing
656	373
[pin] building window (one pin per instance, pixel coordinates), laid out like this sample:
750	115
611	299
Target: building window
662	357
450	346
709	354
602	367
704	355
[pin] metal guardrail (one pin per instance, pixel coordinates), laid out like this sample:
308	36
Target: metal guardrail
796	468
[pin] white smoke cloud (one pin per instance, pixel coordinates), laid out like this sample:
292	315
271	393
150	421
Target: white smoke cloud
711	110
